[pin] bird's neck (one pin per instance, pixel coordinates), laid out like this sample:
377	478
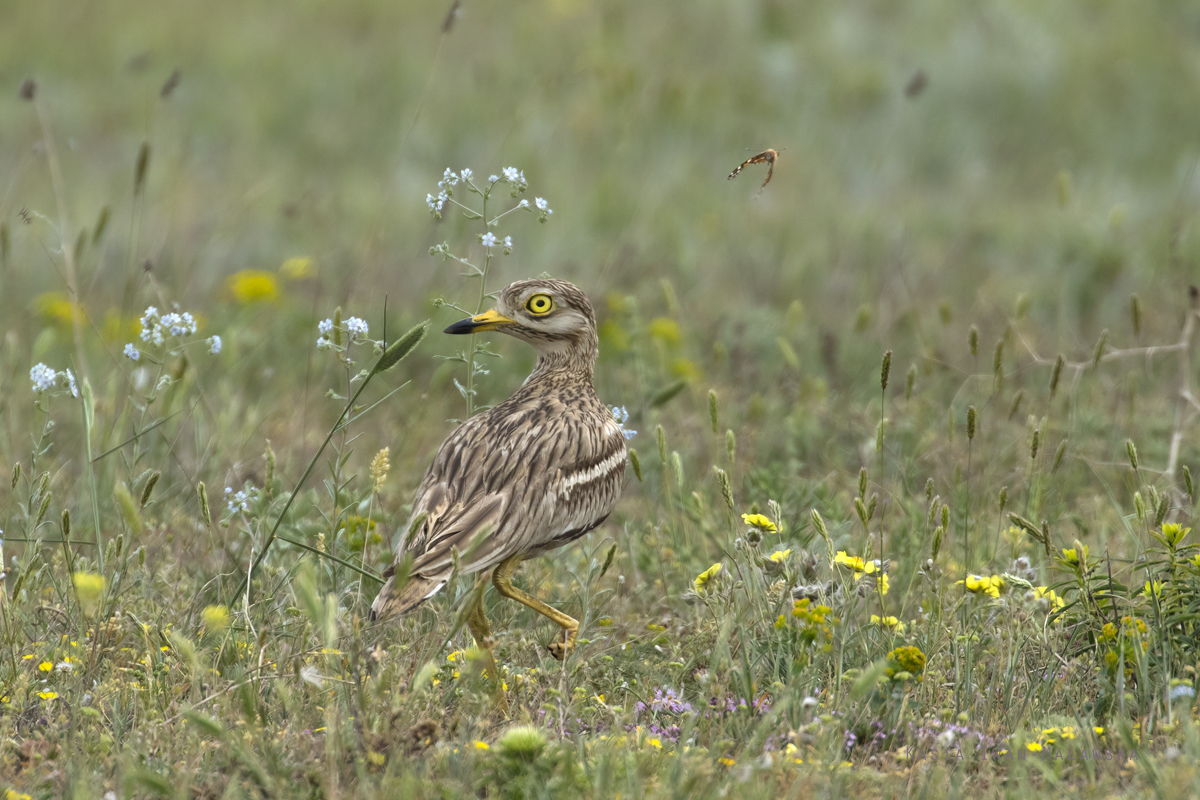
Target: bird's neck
569	361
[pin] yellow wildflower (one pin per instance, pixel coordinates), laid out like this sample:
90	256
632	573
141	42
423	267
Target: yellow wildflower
297	268
888	622
779	556
253	286
215	618
1153	589
654	743
57	308
982	584
909	658
853	562
1173	533
481	746
47	695
455	656
665	330
1040	592
46	666
705	577
759	521
729	762
89	588
12	794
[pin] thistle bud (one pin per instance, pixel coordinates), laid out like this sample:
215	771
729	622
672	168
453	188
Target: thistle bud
712	409
862	481
205	514
1016	403
909	380
1058	456
1099	351
1135	314
1056	374
636	463
973	340
661	436
971	419
1131	451
885	370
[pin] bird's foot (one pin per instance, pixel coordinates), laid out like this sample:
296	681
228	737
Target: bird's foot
560	649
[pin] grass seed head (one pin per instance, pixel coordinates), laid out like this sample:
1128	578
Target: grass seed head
205	513
973	340
1187	479
712	409
139	170
1135	314
1016	403
16	475
929	490
909	380
1056	374
1131	451
151	482
380	465
660	436
885	370
66	524
862	481
1058	455
636	463
972	416
1098	353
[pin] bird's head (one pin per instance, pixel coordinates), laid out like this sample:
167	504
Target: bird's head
553	316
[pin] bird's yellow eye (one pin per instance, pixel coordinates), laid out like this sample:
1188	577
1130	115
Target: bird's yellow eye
539	305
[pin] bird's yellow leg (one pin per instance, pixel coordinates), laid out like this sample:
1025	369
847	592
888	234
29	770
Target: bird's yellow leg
477	622
502	579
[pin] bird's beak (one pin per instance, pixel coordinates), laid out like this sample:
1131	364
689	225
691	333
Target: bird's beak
487	321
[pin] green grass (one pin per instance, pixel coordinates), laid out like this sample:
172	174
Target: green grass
1045	175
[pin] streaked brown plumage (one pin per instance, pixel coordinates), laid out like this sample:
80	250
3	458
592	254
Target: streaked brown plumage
531	474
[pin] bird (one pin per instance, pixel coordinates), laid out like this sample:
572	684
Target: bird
529	475
767	157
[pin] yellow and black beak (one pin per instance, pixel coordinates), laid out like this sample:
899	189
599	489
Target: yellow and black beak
487	321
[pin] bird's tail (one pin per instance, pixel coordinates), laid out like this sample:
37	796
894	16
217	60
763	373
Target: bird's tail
415	591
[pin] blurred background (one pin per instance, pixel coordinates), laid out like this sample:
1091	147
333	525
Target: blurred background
941	166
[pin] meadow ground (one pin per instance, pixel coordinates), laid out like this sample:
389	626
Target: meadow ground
970	572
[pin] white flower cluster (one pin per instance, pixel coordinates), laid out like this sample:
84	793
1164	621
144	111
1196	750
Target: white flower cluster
44	379
356	329
156	327
239	502
621	416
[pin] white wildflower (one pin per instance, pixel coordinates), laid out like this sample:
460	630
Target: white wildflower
356	327
214	345
131	352
71	382
543	205
493	178
621	416
43	377
325	326
466	174
523	204
488	239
